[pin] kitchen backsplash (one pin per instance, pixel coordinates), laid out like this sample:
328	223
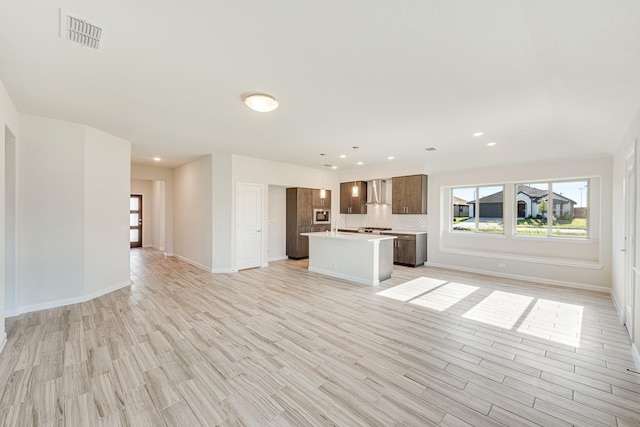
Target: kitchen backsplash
380	216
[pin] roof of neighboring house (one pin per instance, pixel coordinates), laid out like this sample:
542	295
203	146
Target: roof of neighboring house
534	193
459	201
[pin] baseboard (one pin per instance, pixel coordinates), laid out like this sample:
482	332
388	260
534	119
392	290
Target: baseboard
617	306
223	270
636	356
3	341
277	258
524	278
192	262
66	301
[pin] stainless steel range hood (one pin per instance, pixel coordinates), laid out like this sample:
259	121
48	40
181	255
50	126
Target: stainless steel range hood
377	192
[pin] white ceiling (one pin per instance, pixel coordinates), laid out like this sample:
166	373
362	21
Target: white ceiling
543	78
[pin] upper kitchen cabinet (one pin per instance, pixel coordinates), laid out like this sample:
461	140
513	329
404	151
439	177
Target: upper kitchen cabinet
319	202
350	204
409	194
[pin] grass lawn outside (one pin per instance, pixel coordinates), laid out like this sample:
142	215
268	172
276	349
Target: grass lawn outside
578	223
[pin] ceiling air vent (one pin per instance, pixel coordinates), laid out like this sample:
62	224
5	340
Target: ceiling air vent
81	31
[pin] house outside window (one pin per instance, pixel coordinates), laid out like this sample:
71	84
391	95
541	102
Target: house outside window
478	209
552	208
555	208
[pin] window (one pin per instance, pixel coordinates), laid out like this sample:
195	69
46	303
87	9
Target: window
478	209
555	208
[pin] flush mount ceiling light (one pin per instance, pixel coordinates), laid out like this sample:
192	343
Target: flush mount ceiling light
491	144
478	134
260	102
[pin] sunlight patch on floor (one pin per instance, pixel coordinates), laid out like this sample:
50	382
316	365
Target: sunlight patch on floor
412	289
445	296
554	321
551	320
501	309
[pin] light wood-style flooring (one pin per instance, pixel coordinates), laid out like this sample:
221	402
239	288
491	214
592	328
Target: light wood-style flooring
281	346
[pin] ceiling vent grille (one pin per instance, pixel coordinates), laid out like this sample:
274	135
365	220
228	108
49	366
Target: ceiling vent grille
81	31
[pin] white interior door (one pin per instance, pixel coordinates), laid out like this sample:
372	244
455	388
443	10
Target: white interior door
249	226
629	236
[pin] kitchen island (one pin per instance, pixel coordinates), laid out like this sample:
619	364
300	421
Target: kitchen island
361	258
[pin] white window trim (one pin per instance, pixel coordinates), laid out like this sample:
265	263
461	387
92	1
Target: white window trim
511	232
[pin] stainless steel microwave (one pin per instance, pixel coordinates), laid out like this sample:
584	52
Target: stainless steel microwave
321	216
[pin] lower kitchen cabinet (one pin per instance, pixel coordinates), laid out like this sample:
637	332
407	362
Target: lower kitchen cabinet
410	249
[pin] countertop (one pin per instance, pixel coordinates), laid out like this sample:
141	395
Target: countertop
387	232
404	232
365	237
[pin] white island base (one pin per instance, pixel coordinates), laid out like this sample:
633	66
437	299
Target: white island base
361	258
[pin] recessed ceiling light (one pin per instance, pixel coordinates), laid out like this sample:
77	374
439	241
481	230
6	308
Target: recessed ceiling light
430	149
390	158
359	163
157	159
261	102
342	156
478	134
491	144
334	167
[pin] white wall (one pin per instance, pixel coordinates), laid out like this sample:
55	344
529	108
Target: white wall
10	120
166	176
51	193
158	237
193	195
72	210
107	161
222	220
146	189
570	262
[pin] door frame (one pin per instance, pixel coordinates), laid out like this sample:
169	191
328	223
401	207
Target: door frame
630	201
238	215
139	226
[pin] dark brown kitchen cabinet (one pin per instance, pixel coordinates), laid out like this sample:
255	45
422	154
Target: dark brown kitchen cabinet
299	220
350	204
409	249
320	203
409	194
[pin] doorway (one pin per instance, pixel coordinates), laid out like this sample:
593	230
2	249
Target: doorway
249	226
629	236
135	221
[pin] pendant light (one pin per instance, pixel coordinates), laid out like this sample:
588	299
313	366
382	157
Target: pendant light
323	191
354	189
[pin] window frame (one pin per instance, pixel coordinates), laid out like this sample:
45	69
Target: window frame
550	202
476	210
510	214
